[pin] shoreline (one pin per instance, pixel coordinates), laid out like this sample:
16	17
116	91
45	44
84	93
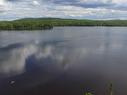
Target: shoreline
49	23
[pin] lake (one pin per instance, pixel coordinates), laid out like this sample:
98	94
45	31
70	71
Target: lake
64	61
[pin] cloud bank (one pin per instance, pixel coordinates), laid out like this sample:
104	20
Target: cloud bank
85	9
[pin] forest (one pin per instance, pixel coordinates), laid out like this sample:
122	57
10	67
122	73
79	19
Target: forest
49	23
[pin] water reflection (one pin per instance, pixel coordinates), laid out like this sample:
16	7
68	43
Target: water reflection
64	61
12	58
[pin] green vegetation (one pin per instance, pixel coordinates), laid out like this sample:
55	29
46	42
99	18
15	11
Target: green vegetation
48	23
24	25
110	90
88	93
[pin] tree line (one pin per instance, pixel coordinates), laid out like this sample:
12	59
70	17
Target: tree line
18	25
49	23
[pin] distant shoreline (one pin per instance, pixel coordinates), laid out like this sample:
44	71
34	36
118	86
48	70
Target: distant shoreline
49	23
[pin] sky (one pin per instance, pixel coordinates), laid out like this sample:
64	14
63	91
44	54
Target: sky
79	9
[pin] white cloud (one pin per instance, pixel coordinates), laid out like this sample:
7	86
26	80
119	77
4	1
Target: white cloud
92	1
2	2
119	1
87	9
35	3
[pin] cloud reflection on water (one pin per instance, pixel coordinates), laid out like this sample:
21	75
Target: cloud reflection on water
13	61
13	58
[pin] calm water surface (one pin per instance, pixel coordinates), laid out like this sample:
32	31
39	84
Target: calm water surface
64	61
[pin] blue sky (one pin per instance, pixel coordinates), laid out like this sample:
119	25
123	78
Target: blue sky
81	9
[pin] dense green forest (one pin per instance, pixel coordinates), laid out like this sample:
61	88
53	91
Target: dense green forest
48	23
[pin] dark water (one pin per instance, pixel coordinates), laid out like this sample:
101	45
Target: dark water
64	61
